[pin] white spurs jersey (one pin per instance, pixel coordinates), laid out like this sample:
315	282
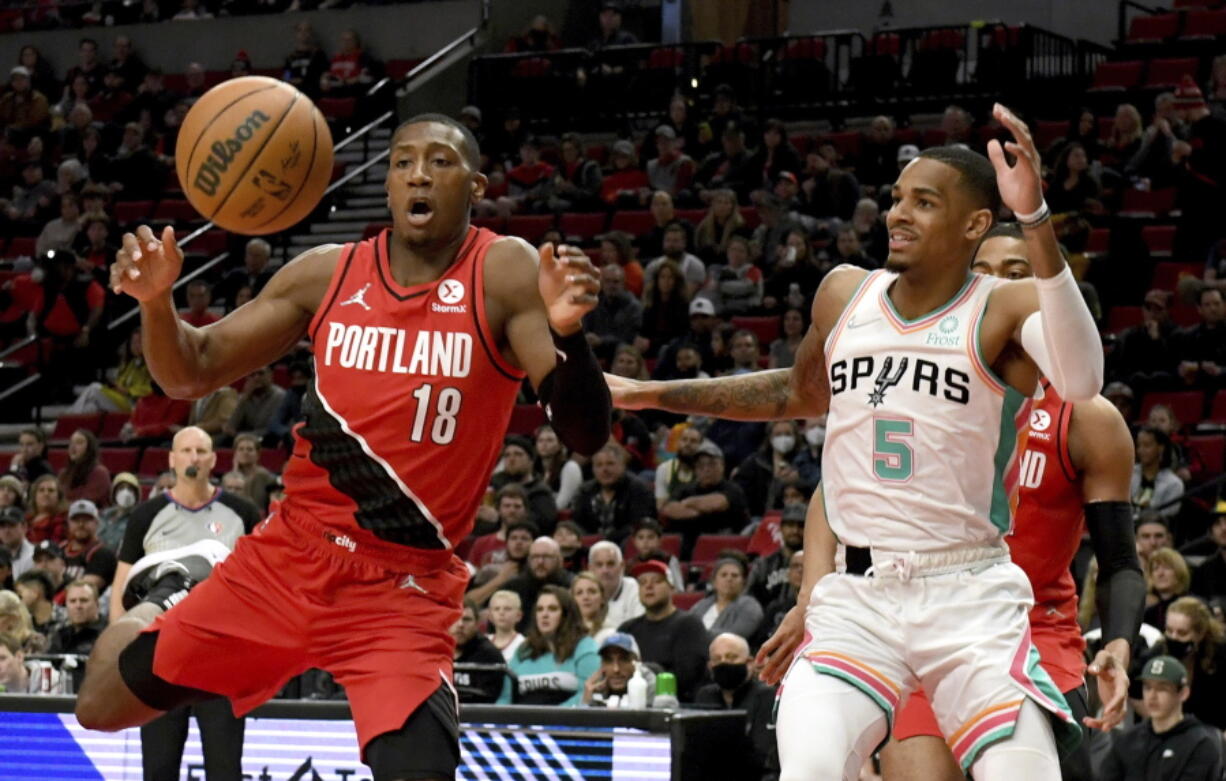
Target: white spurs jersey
922	436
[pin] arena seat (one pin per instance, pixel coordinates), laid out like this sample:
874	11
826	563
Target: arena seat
529	227
211	243
1117	76
1210	452
1148	203
525	419
765	328
398	69
495	224
692	216
588	540
1099	242
1122	317
337	108
932	137
1188	406
1167	274
153	461
708	547
597	152
1217	412
1047	131
636	223
585	226
273	459
1155	27
846	141
58	458
118	459
21	246
684	600
66	424
225	460
751	216
1184	315
111	425
1204	24
175	211
1168	71
1159	238
129	212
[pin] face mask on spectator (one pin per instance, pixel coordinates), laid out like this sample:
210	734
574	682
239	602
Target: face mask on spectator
729	676
815	436
783	443
1179	648
125	498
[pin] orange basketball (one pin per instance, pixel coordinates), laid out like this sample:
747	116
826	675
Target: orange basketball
254	155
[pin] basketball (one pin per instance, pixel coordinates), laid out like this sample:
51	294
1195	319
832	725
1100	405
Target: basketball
254	155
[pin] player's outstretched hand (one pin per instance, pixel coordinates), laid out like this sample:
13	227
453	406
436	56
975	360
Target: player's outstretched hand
624	391
1112	690
775	655
569	284
146	267
1020	184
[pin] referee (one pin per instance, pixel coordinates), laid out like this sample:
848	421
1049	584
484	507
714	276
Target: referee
191	511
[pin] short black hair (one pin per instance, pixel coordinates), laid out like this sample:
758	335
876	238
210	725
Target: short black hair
1005	230
977	174
472	154
526	525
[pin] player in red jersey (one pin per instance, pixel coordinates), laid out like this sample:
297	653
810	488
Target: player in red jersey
1075	470
422	336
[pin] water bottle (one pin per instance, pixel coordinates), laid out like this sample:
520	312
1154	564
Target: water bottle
636	689
666	691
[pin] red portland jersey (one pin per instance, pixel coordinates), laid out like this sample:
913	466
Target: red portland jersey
411	397
1049	521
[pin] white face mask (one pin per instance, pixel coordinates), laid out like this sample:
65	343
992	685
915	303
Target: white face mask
783	443
125	498
815	436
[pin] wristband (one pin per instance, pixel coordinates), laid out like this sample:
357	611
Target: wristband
1035	218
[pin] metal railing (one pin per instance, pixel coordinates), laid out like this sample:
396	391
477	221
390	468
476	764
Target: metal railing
362	134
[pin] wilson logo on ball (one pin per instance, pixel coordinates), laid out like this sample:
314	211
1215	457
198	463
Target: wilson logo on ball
223	153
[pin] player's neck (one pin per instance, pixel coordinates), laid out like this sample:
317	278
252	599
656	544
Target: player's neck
421	264
916	292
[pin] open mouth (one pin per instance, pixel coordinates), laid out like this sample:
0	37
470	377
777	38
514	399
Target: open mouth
901	239
420	212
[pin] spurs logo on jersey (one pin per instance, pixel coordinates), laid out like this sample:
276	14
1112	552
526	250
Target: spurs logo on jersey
921	436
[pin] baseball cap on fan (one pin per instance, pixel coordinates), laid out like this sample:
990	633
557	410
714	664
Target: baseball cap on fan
907	153
702	306
1165	668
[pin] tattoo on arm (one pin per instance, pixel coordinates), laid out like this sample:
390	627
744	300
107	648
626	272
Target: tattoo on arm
756	396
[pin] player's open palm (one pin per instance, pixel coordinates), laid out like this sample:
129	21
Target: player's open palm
1020	184
569	285
146	266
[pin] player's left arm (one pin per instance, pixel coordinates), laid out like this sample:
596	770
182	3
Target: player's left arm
546	295
1100	447
1047	315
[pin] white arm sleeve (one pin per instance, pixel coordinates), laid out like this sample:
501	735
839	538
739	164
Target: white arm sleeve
1062	339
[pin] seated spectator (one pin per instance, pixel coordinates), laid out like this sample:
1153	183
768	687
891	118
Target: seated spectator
211	412
125	494
675	249
16	622
611	502
256	479
1198	640
569	538
671	170
517	467
199	298
611	32
663	214
82	626
1162	418
14	677
472	647
191	11
1154	160
556	657
870	230
672	639
617	317
1168	577
619	657
736	284
730	168
68	308
49	557
676	473
111	102
257	404
1155	487
774	611
735	687
135	169
254	273
795	276
768	239
1072	187
1200	350
37	593
289	414
620	591
593	609
505	614
24	111
42	74
31	202
775	156
808	462
722	222
665	311
30	461
647	538
60	232
702	323
768	579
628	362
12	492
352	71
538	37
558	470
13	540
1144	356
306	64
84	477
877	165
155	418
1152	535
792	327
233	482
1169	744
510	508
529	183
1124	139
1209	577
152	96
710	505
625	186
93	244
763	475
617	249
848	250
46	511
577	180
729	608
544	569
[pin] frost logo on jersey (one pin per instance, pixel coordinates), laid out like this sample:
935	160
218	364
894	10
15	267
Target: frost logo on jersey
451	293
1040	420
358	298
946	337
885	380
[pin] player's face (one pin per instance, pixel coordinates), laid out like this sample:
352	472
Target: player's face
618	668
588	596
430	186
1161	698
932	219
503	613
82	606
1004	257
548	614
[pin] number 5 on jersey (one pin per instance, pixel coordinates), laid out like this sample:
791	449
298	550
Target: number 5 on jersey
892	455
446	409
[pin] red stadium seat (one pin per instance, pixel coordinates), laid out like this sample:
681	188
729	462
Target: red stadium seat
211	243
684	600
932	137
636	223
751	217
666	58
802	143
1099	242
1217	413
1157	27
708	546
1188	406
495	224
529	227
225	460
58	458
129	212
153	461
118	459
692	216
1204	24
66	424
21	246
337	108
1184	315
765	328
1210	453
1148	203
588	540
1122	317
1045	132
597	152
1167	275
885	43
805	49
112	423
585	226
847	142
1117	75
1159	238
273	459
1167	72
175	211
398	69
525	419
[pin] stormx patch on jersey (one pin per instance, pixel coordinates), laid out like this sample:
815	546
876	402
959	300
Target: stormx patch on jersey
879	374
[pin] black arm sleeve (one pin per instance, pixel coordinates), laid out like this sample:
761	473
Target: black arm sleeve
575	396
1120	585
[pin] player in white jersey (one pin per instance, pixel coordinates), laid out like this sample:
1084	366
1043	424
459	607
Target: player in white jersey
924	370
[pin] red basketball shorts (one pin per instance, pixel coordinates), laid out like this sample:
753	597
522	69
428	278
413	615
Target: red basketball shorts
297	594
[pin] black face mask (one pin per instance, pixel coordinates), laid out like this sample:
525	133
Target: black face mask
730	676
1179	648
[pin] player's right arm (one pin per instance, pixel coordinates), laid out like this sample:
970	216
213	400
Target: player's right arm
189	362
802	391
